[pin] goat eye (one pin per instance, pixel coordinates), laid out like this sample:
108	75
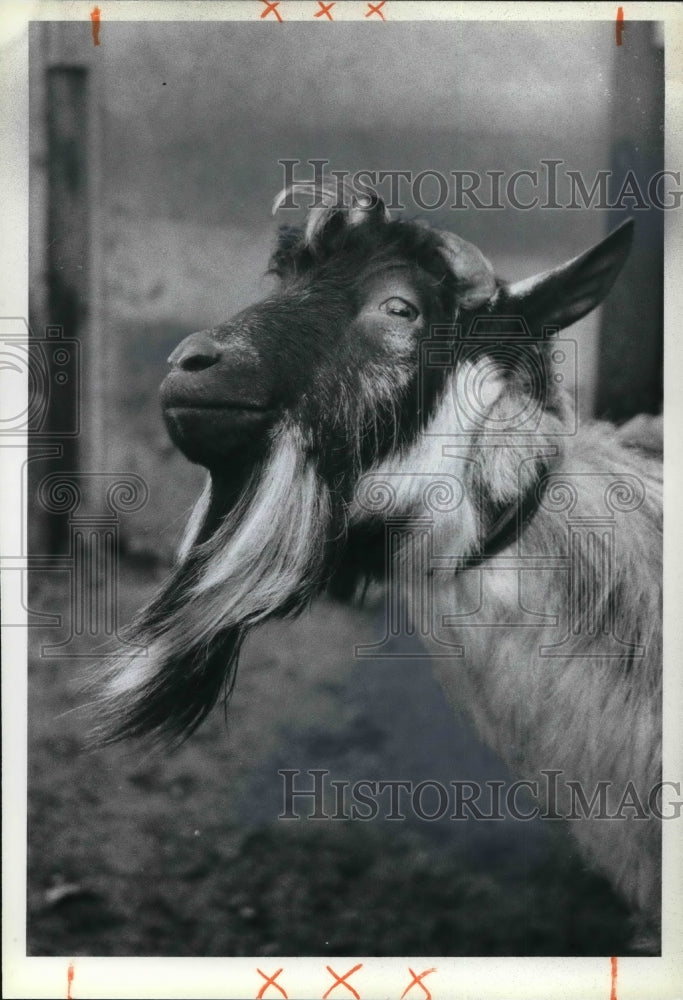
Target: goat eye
399	307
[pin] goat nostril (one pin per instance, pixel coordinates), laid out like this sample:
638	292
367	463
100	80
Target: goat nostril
197	362
195	354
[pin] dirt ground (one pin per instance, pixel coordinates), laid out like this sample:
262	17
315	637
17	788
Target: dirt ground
138	852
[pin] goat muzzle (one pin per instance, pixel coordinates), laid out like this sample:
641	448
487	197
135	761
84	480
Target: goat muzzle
215	399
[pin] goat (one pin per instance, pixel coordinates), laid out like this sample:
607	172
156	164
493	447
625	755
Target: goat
392	383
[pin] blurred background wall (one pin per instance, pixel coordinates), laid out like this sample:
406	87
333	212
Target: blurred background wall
180	133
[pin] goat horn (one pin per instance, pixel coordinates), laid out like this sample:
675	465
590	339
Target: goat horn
330	198
473	273
367	205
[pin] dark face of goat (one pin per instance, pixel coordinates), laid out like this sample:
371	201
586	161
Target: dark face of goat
334	353
288	405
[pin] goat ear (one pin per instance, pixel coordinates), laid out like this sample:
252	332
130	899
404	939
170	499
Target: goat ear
565	294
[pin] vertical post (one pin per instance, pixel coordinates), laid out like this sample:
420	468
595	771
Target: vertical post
64	251
68	241
631	344
68	235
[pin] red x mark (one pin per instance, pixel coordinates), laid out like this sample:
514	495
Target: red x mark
270	982
376	8
271	8
342	980
325	8
417	981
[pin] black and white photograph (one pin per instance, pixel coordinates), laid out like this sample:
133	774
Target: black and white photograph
334	563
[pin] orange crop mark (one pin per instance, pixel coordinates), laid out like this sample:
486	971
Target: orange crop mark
620	24
69	981
270	981
325	9
613	991
341	980
417	981
95	18
271	8
376	8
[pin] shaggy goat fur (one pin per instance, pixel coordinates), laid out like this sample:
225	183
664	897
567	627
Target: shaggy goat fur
321	423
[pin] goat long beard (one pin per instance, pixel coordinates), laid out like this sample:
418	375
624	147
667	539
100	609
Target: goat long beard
267	557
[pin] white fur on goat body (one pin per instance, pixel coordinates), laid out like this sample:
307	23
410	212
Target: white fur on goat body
595	718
